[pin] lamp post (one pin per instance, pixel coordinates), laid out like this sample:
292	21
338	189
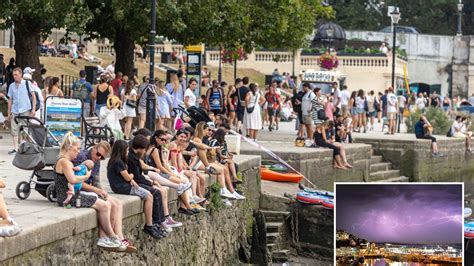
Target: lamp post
460	7
219	75
395	17
150	88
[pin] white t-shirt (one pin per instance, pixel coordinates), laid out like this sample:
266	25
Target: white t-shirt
337	95
360	102
370	102
456	127
192	97
345	96
401	101
306	102
391	103
420	102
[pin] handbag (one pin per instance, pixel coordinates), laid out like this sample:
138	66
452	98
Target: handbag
322	115
251	109
131	103
30	156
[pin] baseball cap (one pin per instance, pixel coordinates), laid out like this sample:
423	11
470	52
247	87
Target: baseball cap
211	125
28	70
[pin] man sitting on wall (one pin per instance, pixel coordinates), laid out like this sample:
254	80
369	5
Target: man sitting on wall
423	130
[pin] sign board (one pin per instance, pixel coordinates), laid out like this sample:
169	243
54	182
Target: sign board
319	76
194	48
193	70
63	114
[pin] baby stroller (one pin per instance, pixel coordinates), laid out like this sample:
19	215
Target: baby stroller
193	115
39	150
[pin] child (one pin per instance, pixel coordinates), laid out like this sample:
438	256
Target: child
79	170
122	182
111	116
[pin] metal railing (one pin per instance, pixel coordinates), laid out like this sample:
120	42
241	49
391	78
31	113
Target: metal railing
66	83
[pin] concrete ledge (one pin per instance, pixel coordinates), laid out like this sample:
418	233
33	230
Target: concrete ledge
316	163
413	157
45	222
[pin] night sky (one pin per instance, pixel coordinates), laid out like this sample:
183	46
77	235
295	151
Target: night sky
416	214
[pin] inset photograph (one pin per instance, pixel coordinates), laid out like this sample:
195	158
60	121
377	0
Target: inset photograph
399	224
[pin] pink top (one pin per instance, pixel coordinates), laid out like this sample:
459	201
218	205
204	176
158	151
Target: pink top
328	110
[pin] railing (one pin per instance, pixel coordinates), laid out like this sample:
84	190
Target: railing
103	48
273	56
66	83
351	61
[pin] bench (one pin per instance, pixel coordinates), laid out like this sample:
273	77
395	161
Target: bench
94	133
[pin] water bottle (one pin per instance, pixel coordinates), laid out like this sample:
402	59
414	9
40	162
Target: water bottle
78	199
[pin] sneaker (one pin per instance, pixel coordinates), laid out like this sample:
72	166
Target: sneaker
158	228
195	211
10	230
117	242
183	187
197	199
238	196
227	203
108	243
198	207
226	193
172	223
166	228
12	152
151	231
130	247
211	170
185	211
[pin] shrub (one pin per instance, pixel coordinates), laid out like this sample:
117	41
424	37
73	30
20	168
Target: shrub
436	116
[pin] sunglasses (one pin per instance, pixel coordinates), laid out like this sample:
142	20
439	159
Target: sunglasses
163	139
102	157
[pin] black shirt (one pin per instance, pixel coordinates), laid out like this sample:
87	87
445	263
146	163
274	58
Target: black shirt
117	183
135	168
242	92
190	147
205	140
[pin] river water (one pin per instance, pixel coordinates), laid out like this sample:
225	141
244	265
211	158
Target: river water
383	262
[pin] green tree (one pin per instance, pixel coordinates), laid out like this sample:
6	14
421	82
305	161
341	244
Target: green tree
33	18
123	22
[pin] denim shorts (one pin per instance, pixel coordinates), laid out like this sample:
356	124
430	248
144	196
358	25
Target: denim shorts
139	191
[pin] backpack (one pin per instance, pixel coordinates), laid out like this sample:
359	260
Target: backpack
81	91
38	102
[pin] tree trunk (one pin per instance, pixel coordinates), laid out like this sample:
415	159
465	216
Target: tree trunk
26	50
124	53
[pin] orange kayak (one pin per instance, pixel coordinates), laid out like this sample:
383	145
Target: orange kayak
270	175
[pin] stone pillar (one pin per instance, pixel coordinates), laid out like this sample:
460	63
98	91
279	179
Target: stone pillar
470	76
461	63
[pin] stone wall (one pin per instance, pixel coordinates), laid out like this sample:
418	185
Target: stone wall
413	157
316	163
216	238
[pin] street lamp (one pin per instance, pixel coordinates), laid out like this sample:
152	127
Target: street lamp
460	7
150	88
395	17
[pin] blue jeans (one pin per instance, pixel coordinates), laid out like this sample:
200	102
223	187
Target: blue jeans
97	108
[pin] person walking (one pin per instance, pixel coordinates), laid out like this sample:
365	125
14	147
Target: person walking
21	102
252	116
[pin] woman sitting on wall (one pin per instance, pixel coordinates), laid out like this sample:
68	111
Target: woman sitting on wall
64	174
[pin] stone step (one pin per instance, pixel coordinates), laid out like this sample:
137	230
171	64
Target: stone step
272	247
395	179
281	255
377	167
275	216
273	227
376	159
273	238
381	175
